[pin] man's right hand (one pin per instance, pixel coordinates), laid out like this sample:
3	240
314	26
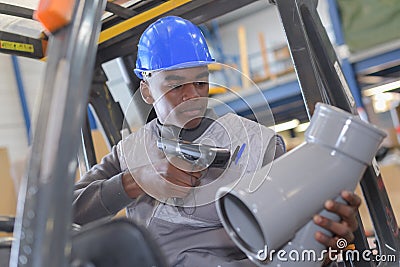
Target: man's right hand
131	188
162	179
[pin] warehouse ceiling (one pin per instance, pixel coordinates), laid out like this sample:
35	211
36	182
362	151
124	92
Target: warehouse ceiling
22	26
32	28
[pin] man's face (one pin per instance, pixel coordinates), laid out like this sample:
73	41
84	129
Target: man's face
180	96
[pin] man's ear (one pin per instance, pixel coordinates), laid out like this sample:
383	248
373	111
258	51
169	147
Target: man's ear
145	91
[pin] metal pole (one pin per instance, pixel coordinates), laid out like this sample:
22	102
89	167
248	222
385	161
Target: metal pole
108	111
44	209
21	91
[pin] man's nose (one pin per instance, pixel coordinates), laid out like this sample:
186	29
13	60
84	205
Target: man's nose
190	92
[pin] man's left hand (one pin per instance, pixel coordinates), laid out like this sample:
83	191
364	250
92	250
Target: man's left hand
346	226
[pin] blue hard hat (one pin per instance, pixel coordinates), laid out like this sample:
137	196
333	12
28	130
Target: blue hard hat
170	43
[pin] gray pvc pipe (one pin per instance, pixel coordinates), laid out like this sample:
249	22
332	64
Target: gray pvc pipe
338	146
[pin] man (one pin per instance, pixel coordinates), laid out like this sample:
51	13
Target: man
171	196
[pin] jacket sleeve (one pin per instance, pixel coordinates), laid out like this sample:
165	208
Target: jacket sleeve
99	193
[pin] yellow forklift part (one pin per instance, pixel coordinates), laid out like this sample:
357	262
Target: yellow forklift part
16	44
139	19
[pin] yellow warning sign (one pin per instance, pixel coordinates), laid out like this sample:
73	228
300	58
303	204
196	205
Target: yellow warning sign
16	46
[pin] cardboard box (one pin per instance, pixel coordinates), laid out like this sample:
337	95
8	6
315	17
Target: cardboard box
391	140
8	199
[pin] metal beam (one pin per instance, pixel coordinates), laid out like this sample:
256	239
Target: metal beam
107	110
130	23
198	12
17	11
120	11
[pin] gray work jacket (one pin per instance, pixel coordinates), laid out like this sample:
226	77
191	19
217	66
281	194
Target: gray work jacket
190	236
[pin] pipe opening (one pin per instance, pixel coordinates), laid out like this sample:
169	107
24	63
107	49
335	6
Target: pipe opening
241	224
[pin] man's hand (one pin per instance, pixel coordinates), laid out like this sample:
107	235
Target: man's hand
163	179
346	226
131	188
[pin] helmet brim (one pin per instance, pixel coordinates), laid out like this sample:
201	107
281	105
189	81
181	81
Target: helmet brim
185	65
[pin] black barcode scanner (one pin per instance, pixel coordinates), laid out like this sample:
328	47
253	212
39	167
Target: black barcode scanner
200	154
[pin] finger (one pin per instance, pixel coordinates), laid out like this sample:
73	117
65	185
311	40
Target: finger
336	228
185	165
175	189
326	240
188	178
351	198
173	175
192	179
178	182
130	186
345	211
